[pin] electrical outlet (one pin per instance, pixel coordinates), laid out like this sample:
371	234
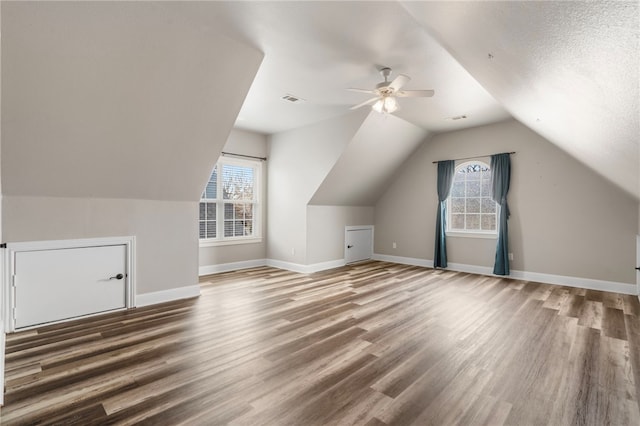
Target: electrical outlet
395	245
510	256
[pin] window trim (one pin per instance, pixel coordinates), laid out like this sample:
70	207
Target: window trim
229	241
475	233
489	235
221	240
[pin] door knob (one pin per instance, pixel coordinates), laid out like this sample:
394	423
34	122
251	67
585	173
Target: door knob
117	277
349	246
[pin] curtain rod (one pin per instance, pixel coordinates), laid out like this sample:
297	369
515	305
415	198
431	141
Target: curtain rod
244	156
477	156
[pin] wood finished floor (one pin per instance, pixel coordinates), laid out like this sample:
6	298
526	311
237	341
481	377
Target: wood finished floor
373	344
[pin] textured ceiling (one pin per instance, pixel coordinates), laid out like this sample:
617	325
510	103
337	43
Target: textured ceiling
567	70
315	50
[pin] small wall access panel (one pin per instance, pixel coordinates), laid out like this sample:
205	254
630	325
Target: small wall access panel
358	243
49	284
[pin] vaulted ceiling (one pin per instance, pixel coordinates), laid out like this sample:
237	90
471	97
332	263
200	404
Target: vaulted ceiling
316	50
114	100
567	70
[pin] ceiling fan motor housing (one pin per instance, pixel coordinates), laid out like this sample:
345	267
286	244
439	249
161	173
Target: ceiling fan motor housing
383	89
386	92
386	72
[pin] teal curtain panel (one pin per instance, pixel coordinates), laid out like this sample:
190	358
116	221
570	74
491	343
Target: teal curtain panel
500	179
446	170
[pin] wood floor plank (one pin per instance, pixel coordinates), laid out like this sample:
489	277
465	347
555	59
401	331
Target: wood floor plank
373	343
613	323
453	403
591	314
572	306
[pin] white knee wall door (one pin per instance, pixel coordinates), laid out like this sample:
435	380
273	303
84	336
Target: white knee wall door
358	243
52	285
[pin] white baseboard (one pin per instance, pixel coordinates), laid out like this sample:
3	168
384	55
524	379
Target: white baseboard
280	264
473	269
323	266
233	266
403	260
162	296
587	283
305	269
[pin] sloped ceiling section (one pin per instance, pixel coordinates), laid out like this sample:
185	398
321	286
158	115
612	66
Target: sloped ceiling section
115	100
300	159
314	50
360	175
567	70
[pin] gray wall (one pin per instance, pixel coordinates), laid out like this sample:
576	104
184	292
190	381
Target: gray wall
566	219
246	143
357	179
299	160
166	231
325	230
110	124
114	100
360	175
327	176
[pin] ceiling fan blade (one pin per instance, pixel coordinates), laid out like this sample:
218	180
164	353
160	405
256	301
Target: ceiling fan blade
399	81
361	90
415	93
370	101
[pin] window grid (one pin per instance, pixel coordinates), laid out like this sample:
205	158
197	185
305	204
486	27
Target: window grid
236	181
208	227
238	219
470	206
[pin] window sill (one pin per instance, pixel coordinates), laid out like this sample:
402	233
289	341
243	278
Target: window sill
215	243
489	236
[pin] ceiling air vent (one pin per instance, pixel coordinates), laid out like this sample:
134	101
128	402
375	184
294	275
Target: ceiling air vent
292	99
457	117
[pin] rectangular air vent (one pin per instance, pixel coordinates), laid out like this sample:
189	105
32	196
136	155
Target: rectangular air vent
291	98
457	117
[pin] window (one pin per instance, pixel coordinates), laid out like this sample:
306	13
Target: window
229	209
470	207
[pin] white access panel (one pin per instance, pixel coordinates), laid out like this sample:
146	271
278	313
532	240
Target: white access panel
52	285
358	244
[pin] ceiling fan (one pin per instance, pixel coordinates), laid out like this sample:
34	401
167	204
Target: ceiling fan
387	92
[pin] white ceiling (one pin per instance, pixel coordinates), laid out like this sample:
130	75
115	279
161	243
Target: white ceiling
567	70
315	50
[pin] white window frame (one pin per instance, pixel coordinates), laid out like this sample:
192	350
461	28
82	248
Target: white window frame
220	239
474	233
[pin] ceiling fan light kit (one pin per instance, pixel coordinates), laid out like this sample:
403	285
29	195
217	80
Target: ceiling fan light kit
386	105
386	93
